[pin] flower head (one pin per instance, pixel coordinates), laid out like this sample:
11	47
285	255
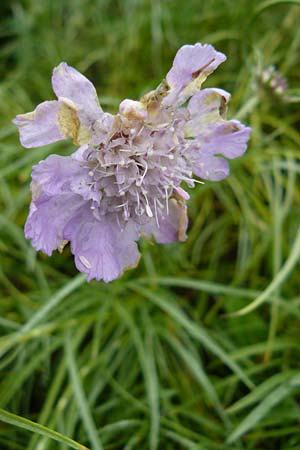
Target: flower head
125	179
272	79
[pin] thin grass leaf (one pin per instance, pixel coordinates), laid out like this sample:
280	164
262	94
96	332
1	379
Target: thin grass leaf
83	406
270	3
258	413
149	371
277	281
26	424
42	312
195	330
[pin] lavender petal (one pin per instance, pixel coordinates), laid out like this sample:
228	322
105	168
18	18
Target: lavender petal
70	84
47	218
101	249
39	127
191	67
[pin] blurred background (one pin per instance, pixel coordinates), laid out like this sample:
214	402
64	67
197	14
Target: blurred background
159	359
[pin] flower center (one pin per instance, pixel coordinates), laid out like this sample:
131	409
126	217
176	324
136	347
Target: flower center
139	167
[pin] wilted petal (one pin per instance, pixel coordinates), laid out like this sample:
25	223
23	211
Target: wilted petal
206	107
47	218
101	249
70	84
133	110
182	193
172	223
213	135
39	127
191	67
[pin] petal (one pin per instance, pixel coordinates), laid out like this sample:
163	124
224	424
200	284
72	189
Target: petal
47	218
211	168
229	138
52	176
182	193
133	110
73	123
191	66
206	107
172	224
80	153
102	128
101	249
39	127
63	174
70	84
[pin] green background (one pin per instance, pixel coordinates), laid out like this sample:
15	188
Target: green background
157	359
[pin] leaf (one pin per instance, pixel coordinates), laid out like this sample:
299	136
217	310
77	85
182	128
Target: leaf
27	424
258	413
83	406
195	330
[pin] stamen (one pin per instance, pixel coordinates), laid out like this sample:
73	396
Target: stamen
118	222
121	206
141	130
156	215
143	176
148	209
159	204
126	212
167	199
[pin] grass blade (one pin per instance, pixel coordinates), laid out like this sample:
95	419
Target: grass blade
195	330
80	396
29	425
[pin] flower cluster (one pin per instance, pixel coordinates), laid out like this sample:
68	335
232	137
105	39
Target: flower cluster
272	79
125	179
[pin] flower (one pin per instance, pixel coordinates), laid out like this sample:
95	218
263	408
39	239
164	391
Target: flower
272	79
125	179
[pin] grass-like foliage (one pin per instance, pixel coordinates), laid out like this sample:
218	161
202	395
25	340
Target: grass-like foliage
199	347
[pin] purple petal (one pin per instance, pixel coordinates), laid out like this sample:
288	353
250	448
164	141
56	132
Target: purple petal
52	176
172	224
70	84
101	249
206	105
40	126
191	61
191	66
58	174
102	127
211	168
47	218
79	154
227	138
182	193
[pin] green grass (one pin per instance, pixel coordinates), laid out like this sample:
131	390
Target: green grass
199	347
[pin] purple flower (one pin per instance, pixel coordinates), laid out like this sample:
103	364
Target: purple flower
272	79
125	179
